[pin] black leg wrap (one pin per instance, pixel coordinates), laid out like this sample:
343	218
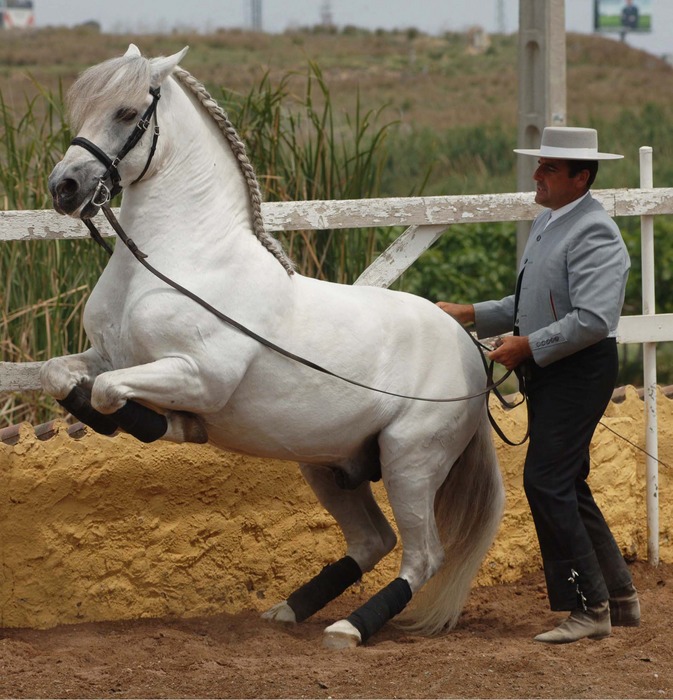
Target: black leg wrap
387	603
331	582
78	403
141	422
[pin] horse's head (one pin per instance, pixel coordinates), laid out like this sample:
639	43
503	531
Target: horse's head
112	107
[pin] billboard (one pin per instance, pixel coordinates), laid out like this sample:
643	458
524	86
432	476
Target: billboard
623	16
16	14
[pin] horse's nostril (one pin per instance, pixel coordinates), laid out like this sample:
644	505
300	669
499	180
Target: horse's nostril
67	187
65	194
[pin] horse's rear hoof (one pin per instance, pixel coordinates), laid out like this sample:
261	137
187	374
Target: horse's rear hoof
341	635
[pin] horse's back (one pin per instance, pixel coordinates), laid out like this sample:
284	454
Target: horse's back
403	336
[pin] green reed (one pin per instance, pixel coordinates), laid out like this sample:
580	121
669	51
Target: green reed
303	150
44	283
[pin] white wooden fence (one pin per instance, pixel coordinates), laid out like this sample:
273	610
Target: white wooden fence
425	219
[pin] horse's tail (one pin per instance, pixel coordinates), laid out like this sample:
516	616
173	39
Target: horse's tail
468	510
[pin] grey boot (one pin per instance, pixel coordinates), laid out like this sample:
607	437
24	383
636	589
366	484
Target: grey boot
625	607
594	623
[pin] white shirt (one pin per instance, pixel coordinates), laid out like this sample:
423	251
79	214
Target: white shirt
556	213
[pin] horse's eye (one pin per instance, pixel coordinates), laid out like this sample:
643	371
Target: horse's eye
126	114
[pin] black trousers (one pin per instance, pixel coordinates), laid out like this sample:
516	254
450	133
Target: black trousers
582	562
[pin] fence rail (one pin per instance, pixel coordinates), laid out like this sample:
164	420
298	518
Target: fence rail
425	219
45	224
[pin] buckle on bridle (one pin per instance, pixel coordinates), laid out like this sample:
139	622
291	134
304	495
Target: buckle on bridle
102	191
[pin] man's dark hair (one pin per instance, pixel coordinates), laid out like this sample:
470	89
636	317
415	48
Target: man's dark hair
576	166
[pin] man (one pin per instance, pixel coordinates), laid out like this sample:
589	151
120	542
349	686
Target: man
630	16
564	315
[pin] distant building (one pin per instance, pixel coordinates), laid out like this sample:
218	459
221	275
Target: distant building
326	18
16	14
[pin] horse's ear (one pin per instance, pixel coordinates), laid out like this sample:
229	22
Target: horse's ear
132	50
162	67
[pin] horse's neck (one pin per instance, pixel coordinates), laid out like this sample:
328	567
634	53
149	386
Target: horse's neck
198	186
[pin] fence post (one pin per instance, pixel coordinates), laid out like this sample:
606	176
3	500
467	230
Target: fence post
649	366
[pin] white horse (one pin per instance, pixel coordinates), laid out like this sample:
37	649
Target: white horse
193	208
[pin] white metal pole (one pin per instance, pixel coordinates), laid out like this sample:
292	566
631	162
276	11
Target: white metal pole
650	366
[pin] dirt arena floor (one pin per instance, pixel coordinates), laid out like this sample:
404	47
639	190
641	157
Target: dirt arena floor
489	655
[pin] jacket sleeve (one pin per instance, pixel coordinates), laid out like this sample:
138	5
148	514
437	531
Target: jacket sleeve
597	266
494	317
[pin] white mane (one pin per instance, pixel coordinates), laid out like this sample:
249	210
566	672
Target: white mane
101	85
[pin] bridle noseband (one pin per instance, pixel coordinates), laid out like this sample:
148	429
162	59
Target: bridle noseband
103	194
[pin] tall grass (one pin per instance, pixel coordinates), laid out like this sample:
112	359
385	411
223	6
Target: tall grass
304	151
32	142
44	283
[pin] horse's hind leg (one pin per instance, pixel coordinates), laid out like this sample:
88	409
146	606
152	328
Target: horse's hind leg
411	493
369	537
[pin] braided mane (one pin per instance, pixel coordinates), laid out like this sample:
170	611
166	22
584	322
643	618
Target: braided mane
238	149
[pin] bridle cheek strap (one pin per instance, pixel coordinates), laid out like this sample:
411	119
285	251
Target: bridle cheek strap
103	194
111	172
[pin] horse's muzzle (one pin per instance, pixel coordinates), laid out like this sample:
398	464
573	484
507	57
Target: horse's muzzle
68	195
65	193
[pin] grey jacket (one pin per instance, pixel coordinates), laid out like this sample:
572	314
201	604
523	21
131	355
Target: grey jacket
572	288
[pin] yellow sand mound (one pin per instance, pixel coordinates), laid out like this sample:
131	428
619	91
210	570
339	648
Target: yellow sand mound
107	528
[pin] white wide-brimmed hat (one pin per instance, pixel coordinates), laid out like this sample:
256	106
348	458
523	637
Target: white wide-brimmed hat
568	143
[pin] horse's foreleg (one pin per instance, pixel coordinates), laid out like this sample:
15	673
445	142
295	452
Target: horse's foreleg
369	538
69	379
78	404
61	374
125	395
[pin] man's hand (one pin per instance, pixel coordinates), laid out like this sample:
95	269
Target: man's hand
511	351
463	313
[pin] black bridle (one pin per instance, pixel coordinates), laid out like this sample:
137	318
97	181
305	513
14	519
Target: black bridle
101	199
103	194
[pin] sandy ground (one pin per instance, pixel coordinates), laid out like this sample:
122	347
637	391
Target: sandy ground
489	655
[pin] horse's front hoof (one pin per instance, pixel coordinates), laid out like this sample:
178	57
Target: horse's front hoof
341	635
281	612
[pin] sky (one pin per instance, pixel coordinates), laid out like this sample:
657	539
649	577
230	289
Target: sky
430	16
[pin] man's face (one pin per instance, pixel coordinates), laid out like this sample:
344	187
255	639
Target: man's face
555	188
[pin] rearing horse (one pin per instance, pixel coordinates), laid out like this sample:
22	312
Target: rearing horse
162	366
